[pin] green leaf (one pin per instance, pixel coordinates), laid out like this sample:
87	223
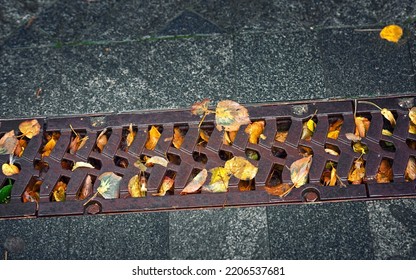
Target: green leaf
5	193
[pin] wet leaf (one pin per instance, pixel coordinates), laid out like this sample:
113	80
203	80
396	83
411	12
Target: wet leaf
153	138
200	108
140	165
352	137
130	136
219	180
299	171
86	189
360	148
255	131
412	128
5	192
156	160
410	173
391	33
195	185
9	169
362	124
29	128
8	143
230	115
167	185
59	192
109	185
386	132
229	137
412	115
80	164
281	136
331	152
357	172
102	140
389	116
280	190
177	138
31	194
241	168
334	129
138	186
384	172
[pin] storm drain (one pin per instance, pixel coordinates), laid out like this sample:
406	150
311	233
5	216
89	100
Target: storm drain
281	145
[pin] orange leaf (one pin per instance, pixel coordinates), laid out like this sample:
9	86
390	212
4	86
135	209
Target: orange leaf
391	33
299	171
102	140
255	131
130	136
9	169
59	192
196	183
29	128
177	138
280	190
384	172
166	186
229	137
410	173
334	129
362	124
153	138
357	172
281	136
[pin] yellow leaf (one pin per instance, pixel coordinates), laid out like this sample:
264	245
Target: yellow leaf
308	130
299	171
59	192
204	136
229	137
138	186
281	136
9	169
362	124
389	116
333	134
196	183
8	143
177	138
384	172
47	149
140	165
153	138
333	180
130	136
241	168
412	128
412	115
255	131
79	164
156	160
359	147
311	125
410	173
230	115
31	193
280	190
386	132
29	128
102	140
166	186
357	172
391	33
219	180
334	129
76	142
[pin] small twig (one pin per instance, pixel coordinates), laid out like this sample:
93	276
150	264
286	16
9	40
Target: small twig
6	255
367	30
371	103
92	197
287	191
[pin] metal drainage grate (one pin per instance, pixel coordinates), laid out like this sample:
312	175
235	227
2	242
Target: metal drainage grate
273	156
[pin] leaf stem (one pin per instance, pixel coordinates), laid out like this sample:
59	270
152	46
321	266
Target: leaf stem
367	30
371	103
287	191
92	197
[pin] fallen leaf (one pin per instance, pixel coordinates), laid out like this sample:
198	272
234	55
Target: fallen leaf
229	137
334	129
386	132
200	108
77	142
331	152
412	115
20	147
299	171
31	193
389	116
204	136
410	173
255	131
384	172
10	169
412	128
357	172
8	143
329	175
50	145
177	138
360	148
102	140
153	138
281	189
5	192
138	186
59	191
80	164
86	189
195	185
156	160
281	136
230	115
109	185
308	130
140	165
362	124
167	185
352	137
219	180
29	128
252	155
130	136
241	168
391	33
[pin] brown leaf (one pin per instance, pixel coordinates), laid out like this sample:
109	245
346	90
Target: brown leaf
77	142
59	191
197	182
29	128
130	136
8	143
255	131
102	140
357	172
204	136
281	136
281	189
362	124
410	173
299	171
166	186
31	193
177	138
230	115
384	172
200	108
86	189
153	138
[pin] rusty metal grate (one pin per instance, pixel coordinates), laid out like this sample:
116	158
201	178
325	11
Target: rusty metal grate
190	158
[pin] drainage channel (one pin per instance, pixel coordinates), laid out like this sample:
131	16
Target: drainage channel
283	144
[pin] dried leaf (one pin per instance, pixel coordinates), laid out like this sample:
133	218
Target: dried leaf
362	124
102	140
138	186
130	136
412	115
252	155
59	191
153	138
76	142
156	160
386	132
109	185
357	172
86	189
167	185
140	165
195	185
229	137
177	138
281	189
5	192
389	116
359	147
281	136
31	194
331	152
47	149
308	129
410	173
230	115
241	168
9	169
255	131
334	129
80	164
204	136
412	128
200	108
29	128
219	180
8	143
391	33
352	137
384	172
299	171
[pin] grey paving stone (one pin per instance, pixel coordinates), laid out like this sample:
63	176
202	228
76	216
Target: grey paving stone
274	67
183	71
35	239
320	231
362	64
230	233
393	228
126	236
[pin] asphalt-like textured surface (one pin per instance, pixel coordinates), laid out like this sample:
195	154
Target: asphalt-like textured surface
112	56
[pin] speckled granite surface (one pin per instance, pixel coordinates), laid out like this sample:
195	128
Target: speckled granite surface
107	55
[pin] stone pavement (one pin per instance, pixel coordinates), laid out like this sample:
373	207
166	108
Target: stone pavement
112	56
